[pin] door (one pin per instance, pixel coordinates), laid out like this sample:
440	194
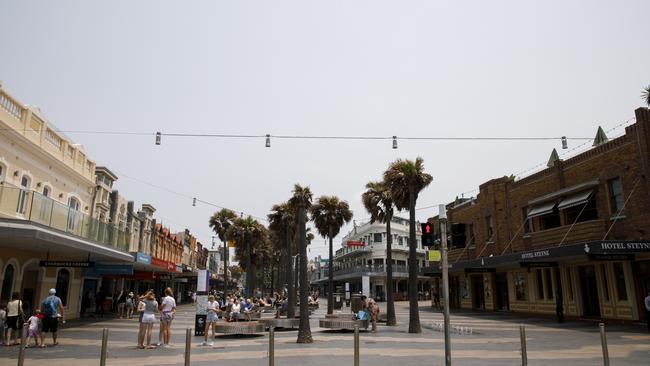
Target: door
589	291
454	292
641	271
29	293
88	294
478	292
503	303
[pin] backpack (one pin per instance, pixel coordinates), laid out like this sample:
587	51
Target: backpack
49	307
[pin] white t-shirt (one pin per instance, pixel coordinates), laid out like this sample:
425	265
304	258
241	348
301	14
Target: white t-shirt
213	305
33	322
168	303
235	308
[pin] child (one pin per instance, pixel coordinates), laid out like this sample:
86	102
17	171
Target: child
34	331
3	319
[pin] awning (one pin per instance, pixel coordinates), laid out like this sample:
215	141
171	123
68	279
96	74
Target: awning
542	209
575	200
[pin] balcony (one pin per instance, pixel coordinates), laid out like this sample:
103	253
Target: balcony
580	233
19	205
397	269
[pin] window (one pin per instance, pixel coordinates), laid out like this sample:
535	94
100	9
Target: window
74	215
605	283
550	220
400	240
540	284
527	223
22	195
619	275
615	196
521	290
490	228
470	234
46	191
580	213
376	237
7	284
2	171
548	283
62	284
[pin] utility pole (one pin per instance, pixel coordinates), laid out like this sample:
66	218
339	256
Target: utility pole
442	216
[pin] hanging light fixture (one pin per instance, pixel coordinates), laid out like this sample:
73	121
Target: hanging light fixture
268	140
394	142
565	144
158	138
194	202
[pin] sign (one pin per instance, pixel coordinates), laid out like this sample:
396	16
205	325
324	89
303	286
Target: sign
181	280
109	269
76	264
433	256
142	275
143	258
179	268
231	244
365	285
480	270
202	281
164	277
199	324
355	243
537	264
610	246
159	263
536	254
611	257
171	266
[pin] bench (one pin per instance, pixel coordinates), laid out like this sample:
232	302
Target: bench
253	327
281	322
335	321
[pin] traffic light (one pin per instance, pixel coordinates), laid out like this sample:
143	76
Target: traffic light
427	234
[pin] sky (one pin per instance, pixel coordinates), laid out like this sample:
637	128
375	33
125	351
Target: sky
345	68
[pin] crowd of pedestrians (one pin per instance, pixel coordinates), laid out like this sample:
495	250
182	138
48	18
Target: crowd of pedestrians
43	319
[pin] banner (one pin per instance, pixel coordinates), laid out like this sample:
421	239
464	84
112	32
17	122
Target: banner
202	281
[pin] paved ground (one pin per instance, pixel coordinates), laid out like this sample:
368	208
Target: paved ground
494	341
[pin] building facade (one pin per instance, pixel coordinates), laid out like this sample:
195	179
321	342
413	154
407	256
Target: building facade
573	237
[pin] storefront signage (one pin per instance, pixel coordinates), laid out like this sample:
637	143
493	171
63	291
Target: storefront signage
433	255
480	270
355	243
143	258
171	266
537	264
159	263
76	264
179	268
164	277
142	275
536	254
611	257
109	269
617	247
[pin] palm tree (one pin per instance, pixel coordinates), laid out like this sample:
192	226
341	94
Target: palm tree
405	179
282	221
251	247
645	94
379	204
329	215
301	201
220	222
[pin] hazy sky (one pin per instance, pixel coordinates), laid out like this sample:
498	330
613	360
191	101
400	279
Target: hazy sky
380	68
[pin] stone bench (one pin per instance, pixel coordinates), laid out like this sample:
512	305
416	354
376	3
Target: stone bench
240	327
342	322
281	322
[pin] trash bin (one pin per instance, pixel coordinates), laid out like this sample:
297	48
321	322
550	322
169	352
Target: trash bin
338	300
357	303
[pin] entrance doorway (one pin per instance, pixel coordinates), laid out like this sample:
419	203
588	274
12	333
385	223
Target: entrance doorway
589	291
478	292
503	303
641	272
88	294
30	290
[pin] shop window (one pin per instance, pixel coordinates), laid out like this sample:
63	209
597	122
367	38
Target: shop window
7	284
521	290
615	195
548	283
458	237
376	237
605	283
489	227
62	284
540	284
619	275
550	220
580	213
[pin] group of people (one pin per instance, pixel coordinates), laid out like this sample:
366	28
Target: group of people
149	307
44	319
371	308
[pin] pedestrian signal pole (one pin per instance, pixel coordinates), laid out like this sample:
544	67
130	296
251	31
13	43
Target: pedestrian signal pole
442	215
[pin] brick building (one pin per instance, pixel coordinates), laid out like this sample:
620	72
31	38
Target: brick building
574	236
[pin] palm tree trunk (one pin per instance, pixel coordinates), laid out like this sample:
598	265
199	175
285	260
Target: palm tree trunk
330	277
414	314
390	302
291	290
249	270
304	332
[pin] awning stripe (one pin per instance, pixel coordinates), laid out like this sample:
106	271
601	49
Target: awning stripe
541	210
575	200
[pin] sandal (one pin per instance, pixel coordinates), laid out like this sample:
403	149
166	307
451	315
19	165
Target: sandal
150	347
139	347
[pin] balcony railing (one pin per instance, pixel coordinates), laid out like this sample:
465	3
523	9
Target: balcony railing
397	268
31	206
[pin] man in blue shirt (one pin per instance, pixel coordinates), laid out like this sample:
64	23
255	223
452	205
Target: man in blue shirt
52	309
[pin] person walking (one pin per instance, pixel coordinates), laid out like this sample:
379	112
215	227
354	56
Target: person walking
168	310
34	331
149	307
373	309
15	317
129	305
3	324
52	309
647	309
211	320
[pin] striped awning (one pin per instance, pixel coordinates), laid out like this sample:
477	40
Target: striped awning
575	200
542	209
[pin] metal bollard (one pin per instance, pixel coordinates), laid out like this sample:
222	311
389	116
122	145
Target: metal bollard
603	342
102	357
524	352
356	345
271	345
188	345
23	343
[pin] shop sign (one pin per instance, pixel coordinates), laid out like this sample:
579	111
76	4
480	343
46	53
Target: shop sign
480	270
159	263
143	258
110	269
536	254
611	257
141	275
617	247
433	256
355	243
179	268
171	266
537	264
76	264
164	277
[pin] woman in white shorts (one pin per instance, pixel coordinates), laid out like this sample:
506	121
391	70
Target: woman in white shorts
211	319
167	312
148	319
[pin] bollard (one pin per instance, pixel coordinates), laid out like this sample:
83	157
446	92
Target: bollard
188	345
102	356
356	345
603	342
23	343
271	345
524	352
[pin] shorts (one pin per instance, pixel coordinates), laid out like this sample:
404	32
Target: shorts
50	324
212	317
12	322
148	318
33	333
166	317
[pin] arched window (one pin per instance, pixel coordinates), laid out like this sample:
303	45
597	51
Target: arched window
46	191
7	284
2	173
25	182
62	284
73	213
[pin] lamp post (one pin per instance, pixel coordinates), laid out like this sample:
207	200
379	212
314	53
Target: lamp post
442	215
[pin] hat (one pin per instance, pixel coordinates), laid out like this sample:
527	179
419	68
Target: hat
130	293
52	291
